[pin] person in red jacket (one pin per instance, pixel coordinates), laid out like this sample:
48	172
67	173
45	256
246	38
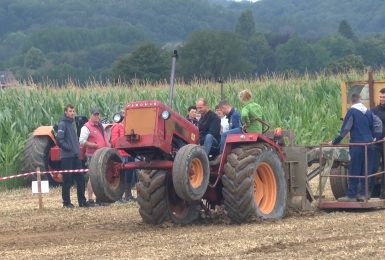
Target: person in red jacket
117	130
93	137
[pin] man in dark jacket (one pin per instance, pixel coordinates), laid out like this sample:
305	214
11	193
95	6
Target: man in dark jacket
209	126
359	122
379	111
67	141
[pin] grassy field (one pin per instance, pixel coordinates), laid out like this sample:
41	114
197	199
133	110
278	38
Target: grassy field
309	106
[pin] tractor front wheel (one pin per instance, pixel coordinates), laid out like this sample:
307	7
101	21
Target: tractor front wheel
191	172
107	182
254	183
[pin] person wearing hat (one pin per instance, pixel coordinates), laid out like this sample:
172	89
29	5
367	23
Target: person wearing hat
92	137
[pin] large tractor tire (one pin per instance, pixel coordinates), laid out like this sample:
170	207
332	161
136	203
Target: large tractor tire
191	172
107	183
339	185
158	201
254	183
36	154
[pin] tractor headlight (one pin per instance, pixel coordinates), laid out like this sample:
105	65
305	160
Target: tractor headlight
118	118
165	115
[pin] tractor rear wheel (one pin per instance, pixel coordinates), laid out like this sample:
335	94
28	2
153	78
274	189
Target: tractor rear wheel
158	201
339	185
254	183
151	189
179	210
191	172
107	182
36	154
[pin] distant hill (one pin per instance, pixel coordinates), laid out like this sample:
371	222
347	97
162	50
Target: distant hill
315	18
84	38
170	20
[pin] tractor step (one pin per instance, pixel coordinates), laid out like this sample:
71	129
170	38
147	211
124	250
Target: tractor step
372	203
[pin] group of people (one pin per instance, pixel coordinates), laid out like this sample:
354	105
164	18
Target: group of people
215	126
92	136
364	126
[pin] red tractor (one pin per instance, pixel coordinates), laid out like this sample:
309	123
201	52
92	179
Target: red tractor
176	179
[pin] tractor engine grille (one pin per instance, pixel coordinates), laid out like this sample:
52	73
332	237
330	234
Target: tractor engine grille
140	120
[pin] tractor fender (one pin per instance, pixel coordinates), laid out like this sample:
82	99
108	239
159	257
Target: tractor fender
45	131
252	138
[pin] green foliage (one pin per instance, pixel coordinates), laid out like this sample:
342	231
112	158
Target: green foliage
211	55
245	26
349	62
146	63
34	58
85	42
337	46
345	30
310	107
258	53
296	55
372	52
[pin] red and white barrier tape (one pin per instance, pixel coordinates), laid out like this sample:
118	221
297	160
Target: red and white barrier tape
45	172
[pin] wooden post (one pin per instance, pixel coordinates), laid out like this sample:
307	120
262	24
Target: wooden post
40	195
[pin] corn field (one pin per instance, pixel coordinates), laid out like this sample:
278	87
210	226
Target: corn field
309	106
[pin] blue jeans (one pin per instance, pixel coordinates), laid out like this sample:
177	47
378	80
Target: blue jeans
208	142
224	135
356	186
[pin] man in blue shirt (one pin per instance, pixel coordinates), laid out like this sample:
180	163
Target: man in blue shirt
359	122
234	119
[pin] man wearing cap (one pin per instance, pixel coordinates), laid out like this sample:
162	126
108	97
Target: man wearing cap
92	137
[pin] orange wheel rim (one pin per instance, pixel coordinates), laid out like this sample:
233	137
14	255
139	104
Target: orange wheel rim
196	173
265	188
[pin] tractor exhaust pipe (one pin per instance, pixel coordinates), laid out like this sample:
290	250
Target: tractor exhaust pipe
171	92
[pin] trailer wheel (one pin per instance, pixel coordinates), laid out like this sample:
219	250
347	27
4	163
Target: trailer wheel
254	183
338	185
151	189
190	173
36	154
107	183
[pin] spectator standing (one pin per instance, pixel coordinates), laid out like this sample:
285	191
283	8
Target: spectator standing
379	111
359	122
117	130
93	137
69	155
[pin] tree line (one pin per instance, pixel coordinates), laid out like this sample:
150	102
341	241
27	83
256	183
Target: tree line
122	40
245	53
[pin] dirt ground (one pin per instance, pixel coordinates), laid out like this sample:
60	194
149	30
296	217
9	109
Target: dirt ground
116	232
